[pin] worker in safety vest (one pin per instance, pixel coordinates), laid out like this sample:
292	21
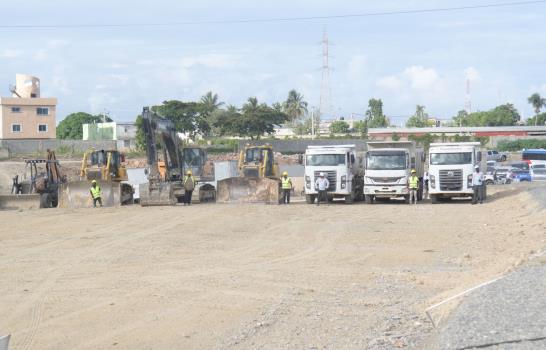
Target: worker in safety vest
413	186
286	184
189	186
96	193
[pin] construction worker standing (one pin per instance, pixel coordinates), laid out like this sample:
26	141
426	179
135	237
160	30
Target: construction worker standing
96	193
189	186
322	185
286	185
413	186
477	185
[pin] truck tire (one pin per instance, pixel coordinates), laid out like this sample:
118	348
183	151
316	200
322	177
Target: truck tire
45	201
406	199
503	158
489	182
434	199
349	199
310	198
368	199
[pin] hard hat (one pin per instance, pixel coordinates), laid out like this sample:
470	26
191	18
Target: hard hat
477	167
321	174
94	181
413	171
188	172
285	173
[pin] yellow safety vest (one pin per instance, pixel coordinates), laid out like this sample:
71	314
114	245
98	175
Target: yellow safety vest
95	192
286	183
414	182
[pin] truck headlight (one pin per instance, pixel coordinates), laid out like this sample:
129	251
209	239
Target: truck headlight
307	181
402	180
367	180
343	181
469	181
432	181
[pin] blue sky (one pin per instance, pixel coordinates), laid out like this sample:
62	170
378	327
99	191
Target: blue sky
403	59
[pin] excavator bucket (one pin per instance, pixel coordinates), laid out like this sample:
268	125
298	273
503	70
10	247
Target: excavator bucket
20	201
76	194
161	193
248	190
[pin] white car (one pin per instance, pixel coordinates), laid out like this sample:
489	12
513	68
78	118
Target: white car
538	172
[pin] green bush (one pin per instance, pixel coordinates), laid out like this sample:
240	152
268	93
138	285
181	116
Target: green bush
517	145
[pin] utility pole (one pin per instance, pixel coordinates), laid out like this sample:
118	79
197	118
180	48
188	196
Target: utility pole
325	92
468	102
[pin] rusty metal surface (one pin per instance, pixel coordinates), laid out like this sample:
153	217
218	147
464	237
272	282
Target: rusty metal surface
248	190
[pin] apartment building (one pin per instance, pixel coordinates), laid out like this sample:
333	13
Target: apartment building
27	115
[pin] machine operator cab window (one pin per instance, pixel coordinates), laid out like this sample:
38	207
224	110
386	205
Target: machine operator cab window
257	155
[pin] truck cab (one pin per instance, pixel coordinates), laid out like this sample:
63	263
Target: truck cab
342	166
450	167
387	168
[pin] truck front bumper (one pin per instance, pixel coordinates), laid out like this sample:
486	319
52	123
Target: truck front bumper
385	191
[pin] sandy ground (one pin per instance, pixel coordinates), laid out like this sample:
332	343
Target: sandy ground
251	276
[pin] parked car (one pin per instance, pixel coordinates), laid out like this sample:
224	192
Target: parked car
491	165
497	156
489	179
521	175
538	172
520	165
503	175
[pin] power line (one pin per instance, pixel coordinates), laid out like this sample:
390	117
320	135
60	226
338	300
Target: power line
273	19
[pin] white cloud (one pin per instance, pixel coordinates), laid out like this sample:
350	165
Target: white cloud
421	78
10	53
217	61
390	82
472	74
357	65
57	43
40	55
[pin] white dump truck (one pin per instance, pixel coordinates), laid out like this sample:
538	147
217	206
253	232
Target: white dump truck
450	167
387	168
341	165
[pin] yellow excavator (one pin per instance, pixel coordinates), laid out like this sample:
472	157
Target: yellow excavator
258	180
106	167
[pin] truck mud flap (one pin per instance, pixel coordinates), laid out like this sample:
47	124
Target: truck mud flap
76	195
248	190
20	201
157	194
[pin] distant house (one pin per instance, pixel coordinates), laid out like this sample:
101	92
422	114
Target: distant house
25	115
122	132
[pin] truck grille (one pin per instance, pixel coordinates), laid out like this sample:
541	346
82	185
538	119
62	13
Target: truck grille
451	180
385	180
331	176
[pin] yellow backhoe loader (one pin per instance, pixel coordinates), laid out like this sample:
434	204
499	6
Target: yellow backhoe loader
258	180
106	167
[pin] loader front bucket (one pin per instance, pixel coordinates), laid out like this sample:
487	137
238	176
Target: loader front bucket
76	194
154	194
248	190
20	201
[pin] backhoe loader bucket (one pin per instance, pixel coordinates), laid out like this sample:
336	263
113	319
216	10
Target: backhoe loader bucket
20	201
76	194
161	193
248	190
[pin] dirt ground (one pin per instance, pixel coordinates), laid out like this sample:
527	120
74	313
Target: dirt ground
251	276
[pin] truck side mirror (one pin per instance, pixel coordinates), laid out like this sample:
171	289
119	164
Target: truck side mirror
300	158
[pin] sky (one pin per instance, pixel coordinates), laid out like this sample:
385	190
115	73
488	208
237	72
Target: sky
404	59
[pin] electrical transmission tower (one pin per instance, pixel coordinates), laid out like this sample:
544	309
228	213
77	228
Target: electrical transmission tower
325	93
468	101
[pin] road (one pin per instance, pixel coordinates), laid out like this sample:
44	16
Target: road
251	276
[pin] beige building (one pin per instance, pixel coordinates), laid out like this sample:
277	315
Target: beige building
27	115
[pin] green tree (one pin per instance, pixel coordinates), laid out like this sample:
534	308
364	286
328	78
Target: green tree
395	136
537	102
71	127
539	119
503	115
188	117
423	140
374	114
294	106
419	119
210	102
140	139
339	127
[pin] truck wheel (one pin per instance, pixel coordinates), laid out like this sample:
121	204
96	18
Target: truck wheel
349	199
309	198
368	199
503	159
489	182
434	199
406	199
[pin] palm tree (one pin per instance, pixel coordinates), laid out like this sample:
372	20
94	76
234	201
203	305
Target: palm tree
537	102
294	106
211	101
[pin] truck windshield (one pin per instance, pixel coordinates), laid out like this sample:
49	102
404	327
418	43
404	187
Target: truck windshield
325	159
386	161
451	158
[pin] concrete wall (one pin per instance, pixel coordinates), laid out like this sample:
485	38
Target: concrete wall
300	145
22	147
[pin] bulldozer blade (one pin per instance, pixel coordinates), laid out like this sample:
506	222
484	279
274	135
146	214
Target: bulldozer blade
155	194
76	194
248	190
20	201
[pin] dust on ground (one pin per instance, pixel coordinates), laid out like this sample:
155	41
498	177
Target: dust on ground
251	276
